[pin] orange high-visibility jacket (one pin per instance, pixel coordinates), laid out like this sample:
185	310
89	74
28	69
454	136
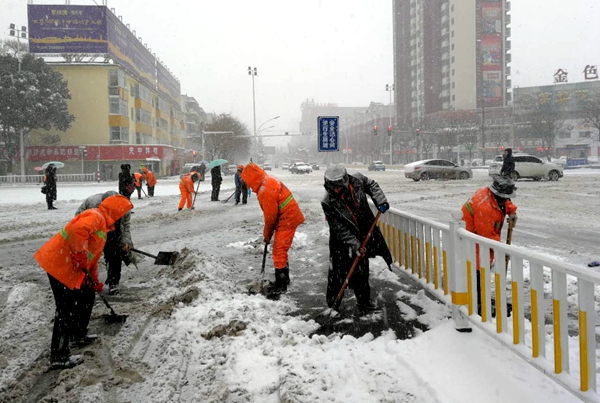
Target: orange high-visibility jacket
279	208
186	184
84	233
483	216
139	178
150	177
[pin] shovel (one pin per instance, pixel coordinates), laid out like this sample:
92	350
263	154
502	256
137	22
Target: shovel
113	317
163	258
338	299
226	200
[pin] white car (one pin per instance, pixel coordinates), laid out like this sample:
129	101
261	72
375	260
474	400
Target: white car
285	166
300	168
528	166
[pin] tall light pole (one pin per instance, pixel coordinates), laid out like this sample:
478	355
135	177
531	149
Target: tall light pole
390	88
481	93
256	132
253	71
20	33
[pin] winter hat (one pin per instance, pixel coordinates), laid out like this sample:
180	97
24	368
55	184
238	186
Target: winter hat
240	167
336	177
508	151
503	187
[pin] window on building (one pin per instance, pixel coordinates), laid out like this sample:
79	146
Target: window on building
453	97
452	7
143	116
452	71
117	106
139	91
452	34
162	105
452	84
452	60
116	78
452	21
585	134
142	138
119	134
452	46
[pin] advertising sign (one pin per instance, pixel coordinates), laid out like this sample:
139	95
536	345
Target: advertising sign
492	53
167	84
491	14
107	153
127	50
492	86
328	133
67	29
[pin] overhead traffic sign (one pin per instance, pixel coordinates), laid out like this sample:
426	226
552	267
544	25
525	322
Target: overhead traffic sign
328	133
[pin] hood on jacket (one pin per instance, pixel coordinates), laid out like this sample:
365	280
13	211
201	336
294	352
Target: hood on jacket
253	176
114	207
125	167
508	151
145	170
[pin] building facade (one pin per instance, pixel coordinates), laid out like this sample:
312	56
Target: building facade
450	55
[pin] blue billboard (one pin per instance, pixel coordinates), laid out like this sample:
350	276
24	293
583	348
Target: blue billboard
328	133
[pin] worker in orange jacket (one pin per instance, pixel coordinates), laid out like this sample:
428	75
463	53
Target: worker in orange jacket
186	187
282	216
150	181
138	182
484	215
66	256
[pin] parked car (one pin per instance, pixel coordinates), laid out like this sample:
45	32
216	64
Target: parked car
300	168
314	166
267	166
229	170
193	167
477	162
436	169
377	166
285	166
528	166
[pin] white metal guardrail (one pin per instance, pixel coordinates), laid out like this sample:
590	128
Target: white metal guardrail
62	178
551	299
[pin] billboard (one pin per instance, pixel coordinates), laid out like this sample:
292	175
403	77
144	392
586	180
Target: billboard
128	51
167	84
492	86
492	52
491	17
67	29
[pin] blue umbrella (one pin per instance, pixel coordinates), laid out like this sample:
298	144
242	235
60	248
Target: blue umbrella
216	162
57	164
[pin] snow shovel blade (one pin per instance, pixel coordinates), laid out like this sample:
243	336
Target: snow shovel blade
166	258
114	318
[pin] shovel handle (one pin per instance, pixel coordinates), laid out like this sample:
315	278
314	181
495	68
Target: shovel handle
338	299
91	280
143	253
262	270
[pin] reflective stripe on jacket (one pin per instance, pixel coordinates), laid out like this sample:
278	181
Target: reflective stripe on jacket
186	184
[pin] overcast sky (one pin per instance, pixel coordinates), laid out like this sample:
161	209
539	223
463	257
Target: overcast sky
335	51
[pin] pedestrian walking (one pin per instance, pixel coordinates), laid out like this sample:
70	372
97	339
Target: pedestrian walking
118	242
150	181
186	187
508	163
138	182
66	257
350	218
240	187
282	216
50	186
126	181
215	181
484	215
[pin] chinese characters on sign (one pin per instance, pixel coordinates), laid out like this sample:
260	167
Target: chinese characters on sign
590	72
561	76
328	133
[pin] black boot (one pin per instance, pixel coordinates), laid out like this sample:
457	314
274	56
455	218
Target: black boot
286	274
279	286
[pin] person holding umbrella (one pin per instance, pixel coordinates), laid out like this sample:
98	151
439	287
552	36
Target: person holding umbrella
71	260
215	181
50	185
350	218
282	216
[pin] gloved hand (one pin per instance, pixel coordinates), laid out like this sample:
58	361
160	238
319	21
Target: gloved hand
512	217
98	287
127	247
267	240
79	260
384	207
357	250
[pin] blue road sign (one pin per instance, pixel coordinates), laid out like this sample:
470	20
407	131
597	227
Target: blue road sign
328	133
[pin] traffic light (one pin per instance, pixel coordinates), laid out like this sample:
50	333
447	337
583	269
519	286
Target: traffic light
194	154
418	132
85	153
375	130
389	130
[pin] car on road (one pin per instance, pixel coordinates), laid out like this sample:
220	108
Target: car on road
314	166
477	162
193	167
229	170
436	169
300	168
267	166
528	166
285	166
377	166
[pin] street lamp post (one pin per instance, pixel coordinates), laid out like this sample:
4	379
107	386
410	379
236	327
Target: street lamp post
20	33
390	88
481	95
253	71
257	131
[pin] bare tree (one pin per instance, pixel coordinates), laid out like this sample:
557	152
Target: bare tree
12	47
590	110
544	121
498	137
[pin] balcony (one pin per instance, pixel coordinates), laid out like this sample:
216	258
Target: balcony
507	19
507	31
507	6
508	58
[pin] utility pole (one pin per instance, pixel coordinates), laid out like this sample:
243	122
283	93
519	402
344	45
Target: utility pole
20	33
252	71
390	88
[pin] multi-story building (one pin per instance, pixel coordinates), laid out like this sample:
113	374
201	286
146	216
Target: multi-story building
126	102
450	55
